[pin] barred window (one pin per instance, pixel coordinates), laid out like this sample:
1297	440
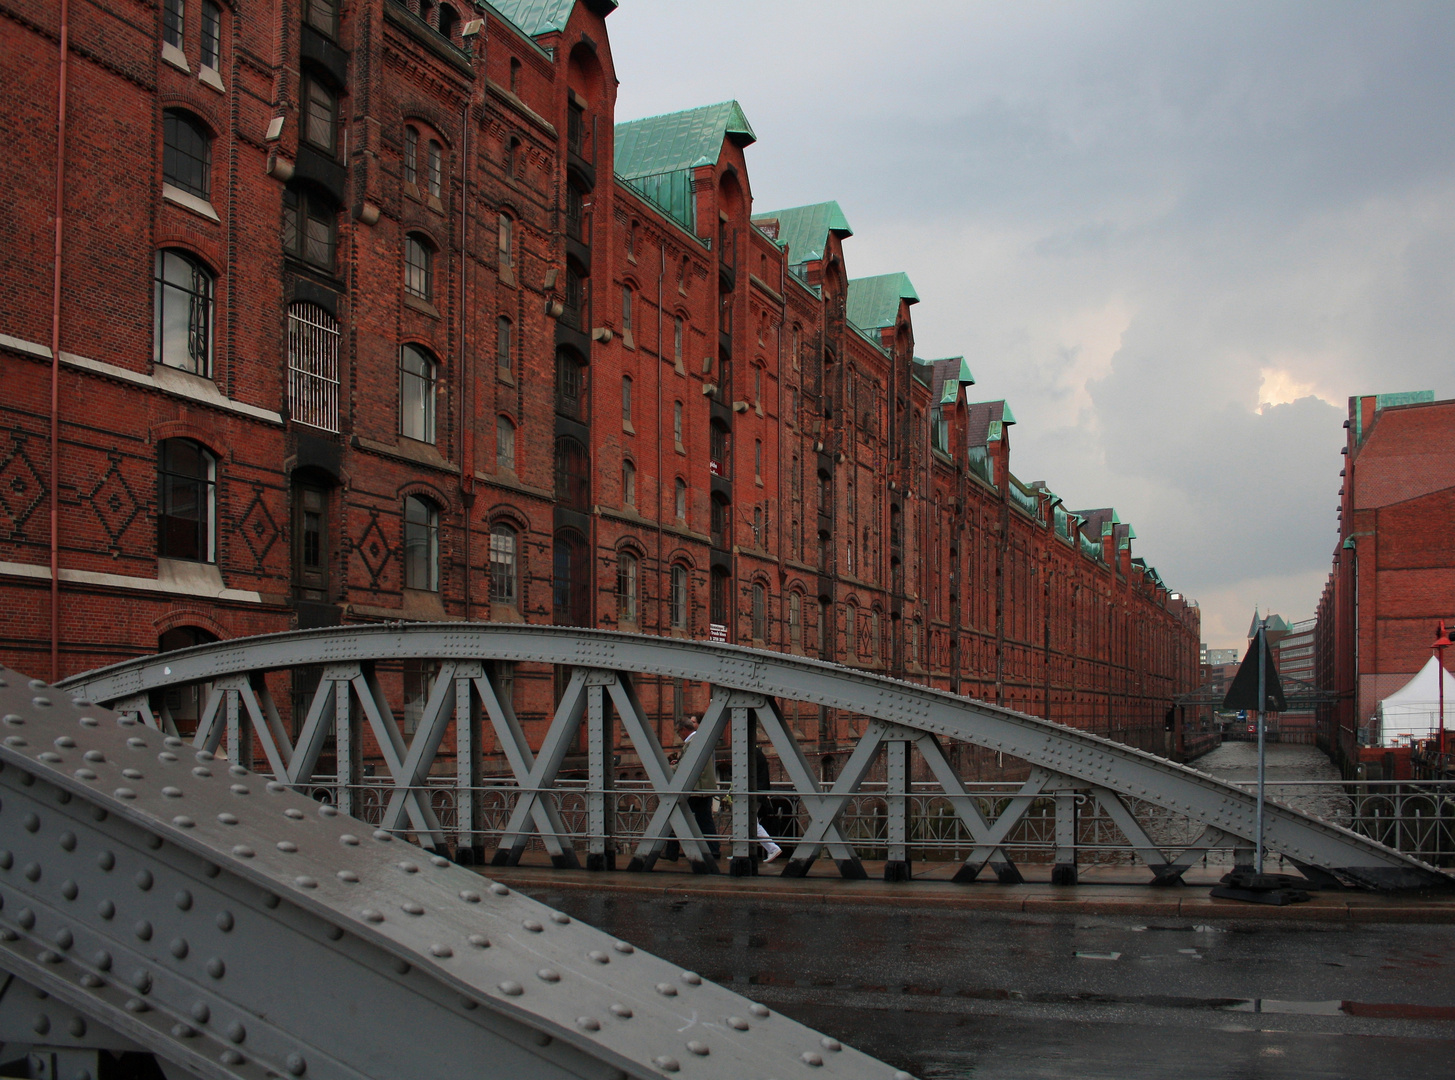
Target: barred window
421	545
503	541
416	394
211	35
418	267
626	586
313	344
183	313
504	444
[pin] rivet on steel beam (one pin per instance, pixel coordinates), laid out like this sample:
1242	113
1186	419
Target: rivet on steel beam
666	1064
50	956
303	881
499	889
444	952
183	900
588	1023
142	980
200	772
666	990
42	1024
31	822
760	1011
440	861
549	975
296	1065
67	841
7	860
237	770
15	740
50	757
224	921
382	836
106	860
621	1011
294	813
32	871
231	1057
242	851
216	968
270	900
183	1031
200	1012
203	755
370	915
560	917
599	956
65	742
348	838
409	867
143	880
541	1038
409	907
63	938
136	743
132	774
829	1043
691	978
124	793
90	981
167	756
275	787
172	792
533	926
811	1058
624	947
77	1027
470	896
102	960
347	875
901	1075
698	1047
179	948
239	789
334	932
85	774
737	1023
511	989
236	1032
70	890
287	846
480	941
327	810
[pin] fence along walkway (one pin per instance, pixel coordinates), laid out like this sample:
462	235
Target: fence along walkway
1068	767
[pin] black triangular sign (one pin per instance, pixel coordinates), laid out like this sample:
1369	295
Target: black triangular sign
1243	694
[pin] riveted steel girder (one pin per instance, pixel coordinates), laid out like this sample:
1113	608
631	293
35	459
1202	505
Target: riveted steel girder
1094	762
159	897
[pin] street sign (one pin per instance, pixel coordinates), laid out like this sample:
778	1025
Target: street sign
1243	693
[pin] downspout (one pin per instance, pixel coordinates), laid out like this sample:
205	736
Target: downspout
55	509
662	624
467	425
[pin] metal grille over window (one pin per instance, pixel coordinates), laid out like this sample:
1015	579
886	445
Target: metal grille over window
313	345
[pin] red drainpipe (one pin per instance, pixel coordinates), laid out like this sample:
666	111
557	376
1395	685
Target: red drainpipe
56	352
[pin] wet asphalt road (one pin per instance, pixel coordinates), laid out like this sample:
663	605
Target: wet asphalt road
958	994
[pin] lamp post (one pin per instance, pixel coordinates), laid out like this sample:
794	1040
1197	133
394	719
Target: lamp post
1442	642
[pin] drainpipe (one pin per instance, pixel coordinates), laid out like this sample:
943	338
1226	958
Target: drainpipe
55	508
662	599
467	424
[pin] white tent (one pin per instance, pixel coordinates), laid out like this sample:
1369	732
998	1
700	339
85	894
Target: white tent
1413	711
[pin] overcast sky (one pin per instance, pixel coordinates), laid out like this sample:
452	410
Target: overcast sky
1175	237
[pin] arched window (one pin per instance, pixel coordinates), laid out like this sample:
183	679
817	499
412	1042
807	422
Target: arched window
434	167
628	483
795	620
681	504
512	158
503	348
421	544
310	224
418	267
416	394
760	612
626	587
320	115
186	154
851	625
184	313
504	444
187	501
503	544
411	154
573	479
570	384
679	597
448	21
313	341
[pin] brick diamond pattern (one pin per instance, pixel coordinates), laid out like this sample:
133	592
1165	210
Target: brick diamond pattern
113	502
22	491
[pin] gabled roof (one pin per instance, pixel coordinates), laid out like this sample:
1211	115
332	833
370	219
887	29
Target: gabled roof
656	155
986	420
804	230
1099	523
873	302
676	141
947	376
537	17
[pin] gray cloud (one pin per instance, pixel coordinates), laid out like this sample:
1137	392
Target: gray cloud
1137	219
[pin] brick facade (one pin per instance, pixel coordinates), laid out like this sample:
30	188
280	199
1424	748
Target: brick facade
1393	576
452	362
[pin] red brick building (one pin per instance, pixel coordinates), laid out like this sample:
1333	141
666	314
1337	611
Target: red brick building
1393	577
374	312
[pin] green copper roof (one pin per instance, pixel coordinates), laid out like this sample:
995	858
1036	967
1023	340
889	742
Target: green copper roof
536	17
804	230
680	140
1387	401
874	301
656	155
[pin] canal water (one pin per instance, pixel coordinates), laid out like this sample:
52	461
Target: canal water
1288	772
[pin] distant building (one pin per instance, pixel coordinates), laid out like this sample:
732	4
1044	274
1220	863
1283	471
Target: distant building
1215	657
1393	575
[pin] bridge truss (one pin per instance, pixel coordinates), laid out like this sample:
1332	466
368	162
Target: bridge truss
155	900
1077	775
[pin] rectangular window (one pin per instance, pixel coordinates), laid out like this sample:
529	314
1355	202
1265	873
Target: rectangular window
211	35
421	545
502	344
313	345
626	310
172	23
502	564
183	313
677	340
626	399
435	162
677	421
504	444
504	243
308	228
679	597
758	458
411	151
416	268
320	116
187	510
310	525
322	15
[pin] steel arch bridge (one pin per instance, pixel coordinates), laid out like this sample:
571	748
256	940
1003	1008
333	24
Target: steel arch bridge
156	901
1072	772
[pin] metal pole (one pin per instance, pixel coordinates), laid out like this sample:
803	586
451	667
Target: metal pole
1440	676
1262	701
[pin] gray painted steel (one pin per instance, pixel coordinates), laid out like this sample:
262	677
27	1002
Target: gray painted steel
153	897
1065	760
